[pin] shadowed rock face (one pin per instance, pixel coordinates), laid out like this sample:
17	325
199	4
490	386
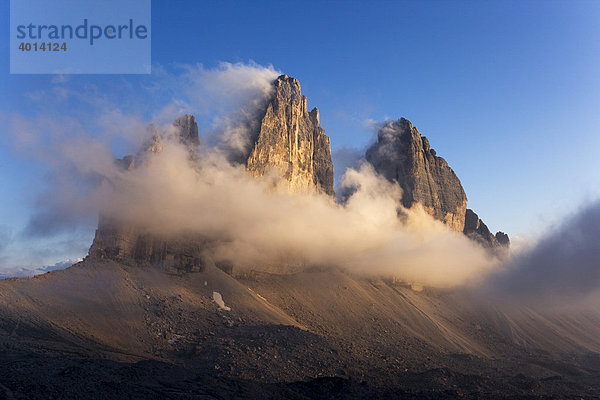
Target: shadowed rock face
401	154
292	141
188	130
502	239
130	244
475	228
478	231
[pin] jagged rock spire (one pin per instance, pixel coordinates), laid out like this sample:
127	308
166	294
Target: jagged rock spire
401	154
188	129
292	141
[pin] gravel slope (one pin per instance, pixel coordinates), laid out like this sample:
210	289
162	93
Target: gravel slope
106	329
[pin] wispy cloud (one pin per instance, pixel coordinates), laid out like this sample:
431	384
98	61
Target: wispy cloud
562	268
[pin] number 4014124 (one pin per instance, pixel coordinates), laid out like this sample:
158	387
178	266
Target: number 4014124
49	46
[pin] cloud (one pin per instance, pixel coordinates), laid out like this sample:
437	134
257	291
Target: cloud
252	223
59	78
563	267
373	125
225	100
235	95
213	95
344	158
78	148
257	224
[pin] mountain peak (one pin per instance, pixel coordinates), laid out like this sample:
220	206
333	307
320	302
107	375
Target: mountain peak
188	129
402	155
291	141
286	78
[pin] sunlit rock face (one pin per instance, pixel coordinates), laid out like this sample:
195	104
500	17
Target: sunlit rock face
401	154
292	142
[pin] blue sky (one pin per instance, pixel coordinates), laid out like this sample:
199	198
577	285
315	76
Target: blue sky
507	92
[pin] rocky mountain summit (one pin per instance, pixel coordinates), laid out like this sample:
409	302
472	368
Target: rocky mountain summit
117	241
402	155
289	141
292	141
188	130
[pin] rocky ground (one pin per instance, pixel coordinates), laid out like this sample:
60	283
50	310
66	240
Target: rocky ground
105	331
35	375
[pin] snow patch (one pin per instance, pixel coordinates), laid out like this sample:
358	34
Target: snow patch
219	300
